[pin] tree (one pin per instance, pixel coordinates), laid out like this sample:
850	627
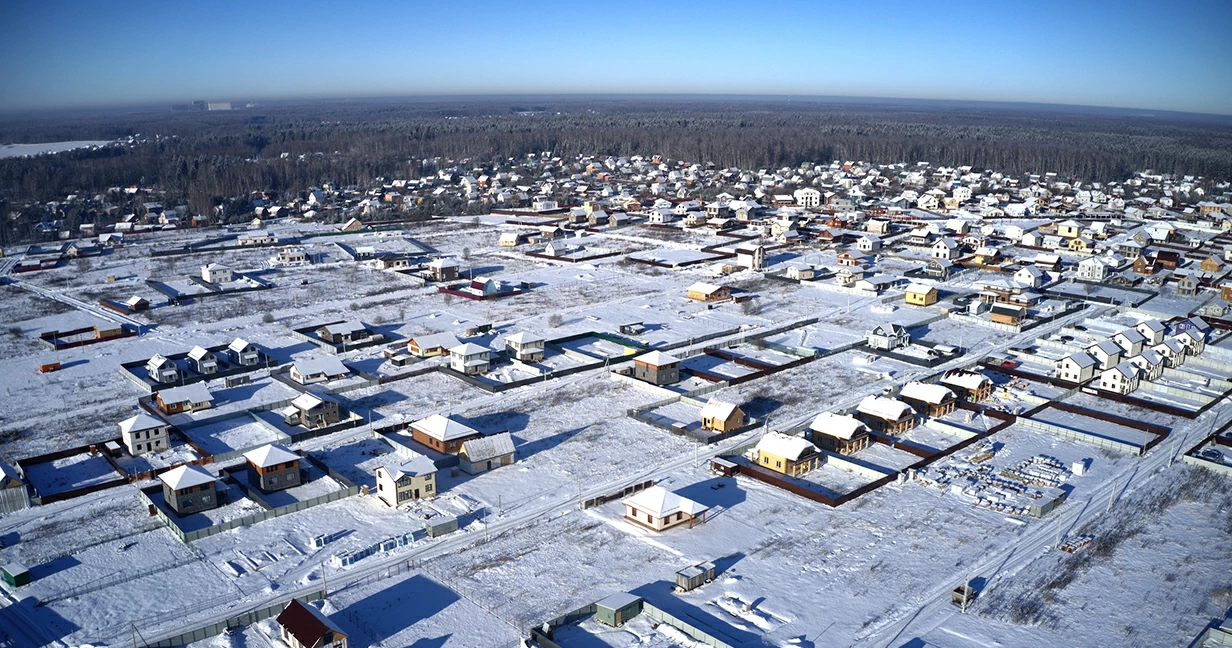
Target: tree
555	321
268	318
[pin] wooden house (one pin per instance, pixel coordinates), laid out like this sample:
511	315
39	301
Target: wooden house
787	454
886	415
659	509
304	626
721	416
970	386
189	489
928	399
442	434
708	292
272	468
1007	314
137	304
438	344
839	433
921	295
188	398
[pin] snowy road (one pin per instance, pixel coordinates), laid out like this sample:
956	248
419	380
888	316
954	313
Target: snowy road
93	309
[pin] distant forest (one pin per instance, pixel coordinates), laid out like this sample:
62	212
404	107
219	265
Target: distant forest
204	157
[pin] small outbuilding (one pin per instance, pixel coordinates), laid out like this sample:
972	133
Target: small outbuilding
16	574
616	609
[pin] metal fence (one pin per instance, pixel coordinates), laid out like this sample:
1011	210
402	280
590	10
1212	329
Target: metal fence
244	619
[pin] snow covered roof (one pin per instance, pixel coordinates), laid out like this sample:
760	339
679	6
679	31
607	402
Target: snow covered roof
785	446
194	393
1153	325
837	425
657	359
1132	336
1127	369
270	455
443	428
140	422
930	393
704	288
523	337
468	349
920	289
157	360
307	401
443	263
660	502
968	380
718	409
1107	347
239	344
186	476
199	352
327	365
489	447
306	623
415	466
437	340
344	328
884	408
1081	359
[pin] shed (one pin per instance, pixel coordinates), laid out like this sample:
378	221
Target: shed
1050	499
16	574
440	526
618	608
691	578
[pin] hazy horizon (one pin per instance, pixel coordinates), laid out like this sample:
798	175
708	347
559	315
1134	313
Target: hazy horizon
1132	56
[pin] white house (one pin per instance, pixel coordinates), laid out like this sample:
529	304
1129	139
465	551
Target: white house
1076	367
217	273
945	248
1150	363
161	369
869	243
659	509
1153	330
144	433
1121	379
470	358
1131	341
1106	352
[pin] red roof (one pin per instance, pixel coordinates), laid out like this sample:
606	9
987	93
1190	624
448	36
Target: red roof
305	623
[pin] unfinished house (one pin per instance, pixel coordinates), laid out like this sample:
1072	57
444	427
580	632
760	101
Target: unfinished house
657	368
144	433
273	468
838	433
659	509
886	415
708	292
970	386
312	412
787	454
928	399
189	489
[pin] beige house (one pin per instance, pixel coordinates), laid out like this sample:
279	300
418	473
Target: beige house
402	480
659	509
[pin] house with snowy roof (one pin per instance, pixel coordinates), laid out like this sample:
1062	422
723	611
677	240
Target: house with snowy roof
188	398
401	479
970	386
657	368
202	360
1120	379
787	454
307	371
144	433
161	369
721	416
486	453
470	359
884	414
659	509
442	434
525	346
1077	367
273	467
312	411
243	352
839	433
303	626
928	399
189	489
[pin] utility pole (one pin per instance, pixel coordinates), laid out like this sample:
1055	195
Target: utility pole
1112	497
324	584
579	483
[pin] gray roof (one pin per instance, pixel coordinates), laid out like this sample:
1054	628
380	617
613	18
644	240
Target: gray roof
489	447
194	393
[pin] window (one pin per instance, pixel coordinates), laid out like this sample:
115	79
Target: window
205	498
428	487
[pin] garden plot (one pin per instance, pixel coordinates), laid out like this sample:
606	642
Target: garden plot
41	534
233	503
817	336
1169	304
886	457
674	256
678	415
715	366
938	440
598	348
173	456
316	484
641	632
78	471
1094	426
956	333
836	480
232	400
1074	290
232	434
99	564
356	460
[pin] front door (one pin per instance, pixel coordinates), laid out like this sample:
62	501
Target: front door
416	493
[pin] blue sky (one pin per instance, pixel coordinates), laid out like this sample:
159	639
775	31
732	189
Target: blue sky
1133	54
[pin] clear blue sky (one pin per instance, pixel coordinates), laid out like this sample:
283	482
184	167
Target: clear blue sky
1169	55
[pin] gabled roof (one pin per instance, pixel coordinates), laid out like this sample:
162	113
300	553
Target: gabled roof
657	359
660	502
716	408
1150	356
239	344
415	466
884	408
199	352
1153	325
968	380
930	393
1106	346
837	425
157	360
524	337
306	623
1081	359
344	328
437	340
704	288
920	289
141	421
270	455
307	401
328	365
468	349
1133	336
1127	369
443	428
193	393
789	447
489	447
186	476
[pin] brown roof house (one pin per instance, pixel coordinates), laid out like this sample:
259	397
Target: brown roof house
442	434
304	626
273	467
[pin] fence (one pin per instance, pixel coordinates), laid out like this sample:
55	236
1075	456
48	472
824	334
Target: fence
697	634
1085	437
620	494
244	619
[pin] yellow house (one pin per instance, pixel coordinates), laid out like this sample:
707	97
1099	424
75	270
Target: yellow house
708	292
783	453
921	295
721	417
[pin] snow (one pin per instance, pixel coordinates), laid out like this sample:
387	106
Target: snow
21	150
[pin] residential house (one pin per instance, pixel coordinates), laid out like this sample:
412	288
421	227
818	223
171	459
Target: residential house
438	344
708	292
243	353
136	304
721	417
217	273
443	270
869	243
292	256
202	360
525	347
1069	229
921	295
349	332
928	399
839	433
970	386
659	509
144	433
400	480
485	453
1150	363
939	269
888	337
272	468
886	415
945	248
1120	379
470	359
1193	339
1152	330
307	371
783	453
161	369
657	368
1172	351
1131	341
188	398
1007	314
751	256
1077	367
850	259
442	434
1093	269
1106	352
1187	286
1030	276
303	626
189	489
312	411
